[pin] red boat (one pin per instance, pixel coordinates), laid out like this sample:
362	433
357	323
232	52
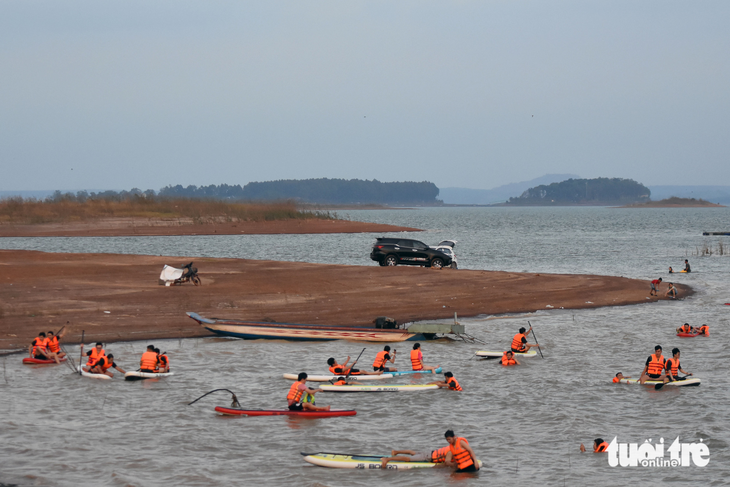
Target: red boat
285	412
32	361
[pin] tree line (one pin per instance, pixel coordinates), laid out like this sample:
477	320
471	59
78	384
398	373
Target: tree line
598	191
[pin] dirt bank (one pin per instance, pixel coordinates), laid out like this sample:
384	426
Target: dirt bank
116	297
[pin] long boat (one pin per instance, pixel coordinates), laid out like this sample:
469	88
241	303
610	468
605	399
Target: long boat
288	331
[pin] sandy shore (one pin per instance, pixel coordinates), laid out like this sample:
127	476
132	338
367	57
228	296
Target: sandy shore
117	297
121	227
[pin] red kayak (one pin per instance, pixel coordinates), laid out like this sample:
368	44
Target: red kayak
31	361
286	412
687	335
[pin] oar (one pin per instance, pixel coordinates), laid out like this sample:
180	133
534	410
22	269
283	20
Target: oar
659	386
81	353
533	336
353	364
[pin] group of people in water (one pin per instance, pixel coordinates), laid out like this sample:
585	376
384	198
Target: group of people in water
457	454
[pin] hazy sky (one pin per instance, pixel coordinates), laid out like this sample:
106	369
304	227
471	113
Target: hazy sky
121	94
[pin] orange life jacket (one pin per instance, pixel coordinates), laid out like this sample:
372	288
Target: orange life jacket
294	392
148	361
616	380
103	362
601	448
164	361
38	342
506	361
380	359
339	370
704	330
439	456
655	365
685	328
517	342
95	356
53	344
416	359
460	455
673	366
453	384
341	383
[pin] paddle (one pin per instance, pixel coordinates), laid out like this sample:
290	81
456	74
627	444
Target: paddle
353	364
533	336
81	354
659	386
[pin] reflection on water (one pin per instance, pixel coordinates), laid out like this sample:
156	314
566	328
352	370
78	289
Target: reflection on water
524	422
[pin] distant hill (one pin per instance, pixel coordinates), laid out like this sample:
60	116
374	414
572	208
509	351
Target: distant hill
588	192
675	202
715	194
500	194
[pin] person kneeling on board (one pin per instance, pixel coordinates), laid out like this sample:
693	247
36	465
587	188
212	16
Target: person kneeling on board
417	360
435	456
508	358
704	330
38	349
460	454
673	367
163	362
449	383
519	342
336	368
382	358
296	392
620	376
655	365
94	354
599	446
103	365
686	328
149	361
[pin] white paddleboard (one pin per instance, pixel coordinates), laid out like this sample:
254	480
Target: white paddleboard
92	376
693	381
388	388
361	462
327	378
145	375
486	354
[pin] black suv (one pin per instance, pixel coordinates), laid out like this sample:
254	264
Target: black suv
394	251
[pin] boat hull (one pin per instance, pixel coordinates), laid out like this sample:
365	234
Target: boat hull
285	412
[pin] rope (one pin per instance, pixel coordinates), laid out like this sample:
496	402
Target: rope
234	399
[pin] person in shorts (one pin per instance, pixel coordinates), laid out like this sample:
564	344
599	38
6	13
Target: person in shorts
654	285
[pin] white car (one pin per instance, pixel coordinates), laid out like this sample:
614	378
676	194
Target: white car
447	247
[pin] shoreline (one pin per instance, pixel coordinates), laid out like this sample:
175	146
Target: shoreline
116	297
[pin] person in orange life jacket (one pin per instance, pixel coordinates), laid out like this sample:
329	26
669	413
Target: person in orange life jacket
342	382
449	383
599	446
54	344
296	392
460	454
704	330
437	456
686	328
508	358
149	361
655	365
39	348
336	368
163	361
672	291
104	363
620	376
417	360
94	354
673	367
382	358
654	286
519	342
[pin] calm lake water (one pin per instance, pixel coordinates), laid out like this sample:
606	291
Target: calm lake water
525	423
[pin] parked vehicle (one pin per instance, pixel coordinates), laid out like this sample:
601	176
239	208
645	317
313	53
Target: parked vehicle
403	251
447	247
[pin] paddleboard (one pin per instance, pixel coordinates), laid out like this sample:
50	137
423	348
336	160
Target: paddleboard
36	361
327	378
692	381
285	412
388	388
406	372
490	355
145	375
361	462
687	335
92	376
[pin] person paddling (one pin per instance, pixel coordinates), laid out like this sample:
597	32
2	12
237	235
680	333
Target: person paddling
54	344
460	454
437	456
449	382
336	368
94	354
655	365
417	360
508	358
673	366
297	390
519	342
103	364
383	358
599	446
148	363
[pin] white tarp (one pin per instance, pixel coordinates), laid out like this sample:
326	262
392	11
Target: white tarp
169	274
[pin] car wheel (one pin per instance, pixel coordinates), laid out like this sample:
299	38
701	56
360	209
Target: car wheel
437	263
391	260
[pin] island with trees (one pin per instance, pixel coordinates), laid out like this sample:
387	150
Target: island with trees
584	192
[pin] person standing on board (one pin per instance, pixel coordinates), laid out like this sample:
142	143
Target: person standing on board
672	291
519	342
599	446
383	358
297	390
654	285
449	382
149	361
460	454
686	266
655	365
94	354
417	360
673	367
54	345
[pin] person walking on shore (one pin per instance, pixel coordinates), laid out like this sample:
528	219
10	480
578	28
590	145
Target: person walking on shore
654	285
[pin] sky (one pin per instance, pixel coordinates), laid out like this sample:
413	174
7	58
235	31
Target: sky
115	95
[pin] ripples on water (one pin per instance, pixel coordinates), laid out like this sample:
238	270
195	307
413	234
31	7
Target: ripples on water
525	422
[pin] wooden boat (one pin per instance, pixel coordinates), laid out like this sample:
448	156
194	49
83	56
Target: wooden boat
287	331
